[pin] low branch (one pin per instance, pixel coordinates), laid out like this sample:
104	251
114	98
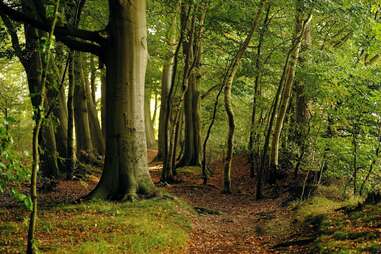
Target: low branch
71	37
13	33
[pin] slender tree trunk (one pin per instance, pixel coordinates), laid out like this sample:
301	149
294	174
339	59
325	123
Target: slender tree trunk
300	132
103	103
227	83
230	138
93	77
150	132
94	125
166	81
56	99
125	172
257	95
39	117
70	156
85	147
207	136
165	176
288	82
192	131
355	133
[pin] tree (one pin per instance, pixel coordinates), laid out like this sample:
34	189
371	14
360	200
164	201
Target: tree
125	172
300	27
227	84
124	52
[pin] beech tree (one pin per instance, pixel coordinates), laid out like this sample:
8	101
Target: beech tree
124	52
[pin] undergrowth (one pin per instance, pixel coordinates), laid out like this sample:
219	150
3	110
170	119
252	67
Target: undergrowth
148	226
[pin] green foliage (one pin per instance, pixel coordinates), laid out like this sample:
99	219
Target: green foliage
12	171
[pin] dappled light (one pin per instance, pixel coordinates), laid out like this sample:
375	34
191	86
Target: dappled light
235	126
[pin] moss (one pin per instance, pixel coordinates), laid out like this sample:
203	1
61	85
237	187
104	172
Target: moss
189	170
351	232
317	206
9	228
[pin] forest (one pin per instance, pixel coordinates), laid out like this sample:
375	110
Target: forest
190	126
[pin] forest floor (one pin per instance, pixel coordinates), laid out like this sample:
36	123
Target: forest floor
280	223
207	222
234	223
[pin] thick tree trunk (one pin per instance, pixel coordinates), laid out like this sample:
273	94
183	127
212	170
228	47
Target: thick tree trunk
192	130
32	63
125	172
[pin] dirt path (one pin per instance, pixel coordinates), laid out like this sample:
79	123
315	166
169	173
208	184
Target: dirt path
228	223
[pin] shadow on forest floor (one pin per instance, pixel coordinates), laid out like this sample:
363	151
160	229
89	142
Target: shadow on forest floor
221	223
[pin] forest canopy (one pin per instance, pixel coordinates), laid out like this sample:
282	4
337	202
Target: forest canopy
272	103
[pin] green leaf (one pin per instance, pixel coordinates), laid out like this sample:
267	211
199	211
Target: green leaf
28	203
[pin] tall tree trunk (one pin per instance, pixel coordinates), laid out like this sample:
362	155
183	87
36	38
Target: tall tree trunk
70	154
85	147
32	63
227	83
301	107
103	102
166	171
256	96
166	81
125	172
150	132
93	77
288	82
192	131
39	114
95	127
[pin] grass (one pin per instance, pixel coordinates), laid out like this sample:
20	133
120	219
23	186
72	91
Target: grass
356	231
148	226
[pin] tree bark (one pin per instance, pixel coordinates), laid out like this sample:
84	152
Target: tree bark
39	115
192	131
150	132
125	173
32	63
166	81
287	89
70	154
95	127
227	83
85	147
257	94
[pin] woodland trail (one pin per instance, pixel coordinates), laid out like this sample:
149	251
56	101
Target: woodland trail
230	223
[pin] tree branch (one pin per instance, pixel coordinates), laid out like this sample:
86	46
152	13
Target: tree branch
60	31
14	38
